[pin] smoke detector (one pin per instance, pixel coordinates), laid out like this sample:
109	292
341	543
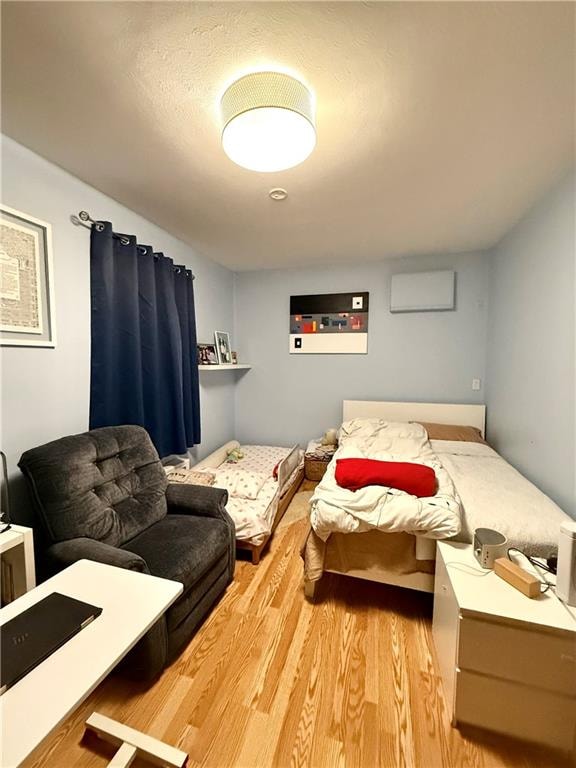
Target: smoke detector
278	193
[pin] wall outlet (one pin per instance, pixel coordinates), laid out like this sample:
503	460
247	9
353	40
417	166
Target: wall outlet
476	384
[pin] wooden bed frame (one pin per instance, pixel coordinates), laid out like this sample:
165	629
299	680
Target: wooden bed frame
256	549
438	413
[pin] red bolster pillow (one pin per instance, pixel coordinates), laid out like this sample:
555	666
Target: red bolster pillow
415	479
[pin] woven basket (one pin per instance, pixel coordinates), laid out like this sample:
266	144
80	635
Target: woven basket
314	469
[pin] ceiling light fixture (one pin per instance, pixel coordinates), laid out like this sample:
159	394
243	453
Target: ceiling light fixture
268	122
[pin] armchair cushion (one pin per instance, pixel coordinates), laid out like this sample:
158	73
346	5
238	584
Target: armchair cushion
107	484
181	547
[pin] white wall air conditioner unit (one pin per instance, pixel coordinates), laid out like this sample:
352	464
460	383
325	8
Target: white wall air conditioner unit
423	291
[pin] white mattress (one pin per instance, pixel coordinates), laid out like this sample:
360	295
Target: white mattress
495	495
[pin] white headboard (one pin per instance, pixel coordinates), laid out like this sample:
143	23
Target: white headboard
436	413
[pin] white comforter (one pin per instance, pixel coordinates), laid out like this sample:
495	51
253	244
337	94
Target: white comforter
337	509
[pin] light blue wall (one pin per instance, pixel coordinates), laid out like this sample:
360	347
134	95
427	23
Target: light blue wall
531	361
45	392
527	283
427	356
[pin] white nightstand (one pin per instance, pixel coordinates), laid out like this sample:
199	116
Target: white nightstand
17	551
508	663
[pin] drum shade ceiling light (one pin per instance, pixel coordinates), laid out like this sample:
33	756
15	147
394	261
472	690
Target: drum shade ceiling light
268	122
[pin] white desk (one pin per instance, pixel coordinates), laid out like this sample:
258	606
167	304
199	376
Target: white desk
38	703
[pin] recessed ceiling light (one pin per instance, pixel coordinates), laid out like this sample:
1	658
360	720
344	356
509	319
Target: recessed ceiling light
268	122
278	193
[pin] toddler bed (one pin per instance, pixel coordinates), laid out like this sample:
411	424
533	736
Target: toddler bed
260	486
399	549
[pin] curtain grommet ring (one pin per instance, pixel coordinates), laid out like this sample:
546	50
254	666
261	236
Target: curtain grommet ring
99	227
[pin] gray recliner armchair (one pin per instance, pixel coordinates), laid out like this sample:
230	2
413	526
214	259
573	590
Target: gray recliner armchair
103	495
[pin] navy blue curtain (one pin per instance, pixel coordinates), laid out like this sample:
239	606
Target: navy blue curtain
144	365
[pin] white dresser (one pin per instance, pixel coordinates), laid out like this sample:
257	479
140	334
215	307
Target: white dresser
508	663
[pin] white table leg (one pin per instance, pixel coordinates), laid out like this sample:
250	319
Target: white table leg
124	757
145	746
29	563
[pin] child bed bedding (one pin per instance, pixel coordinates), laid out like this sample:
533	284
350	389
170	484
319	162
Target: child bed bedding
256	485
254	514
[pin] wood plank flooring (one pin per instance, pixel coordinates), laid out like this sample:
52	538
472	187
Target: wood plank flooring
272	680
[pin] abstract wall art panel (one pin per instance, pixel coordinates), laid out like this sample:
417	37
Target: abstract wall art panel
329	324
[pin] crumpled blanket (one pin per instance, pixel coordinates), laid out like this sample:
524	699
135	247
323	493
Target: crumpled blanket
379	507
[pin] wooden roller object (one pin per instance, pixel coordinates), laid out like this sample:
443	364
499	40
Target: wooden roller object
520	579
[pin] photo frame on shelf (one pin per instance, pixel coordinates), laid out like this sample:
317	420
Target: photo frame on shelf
223	347
207	354
27	305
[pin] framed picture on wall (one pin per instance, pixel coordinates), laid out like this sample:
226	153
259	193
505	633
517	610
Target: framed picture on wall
329	324
223	347
27	309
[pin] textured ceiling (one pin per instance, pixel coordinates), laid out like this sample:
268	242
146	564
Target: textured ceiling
439	124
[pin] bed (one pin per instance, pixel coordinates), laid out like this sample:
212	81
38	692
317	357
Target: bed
491	494
277	472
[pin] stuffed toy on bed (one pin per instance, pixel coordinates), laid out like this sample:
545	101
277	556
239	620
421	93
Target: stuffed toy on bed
234	456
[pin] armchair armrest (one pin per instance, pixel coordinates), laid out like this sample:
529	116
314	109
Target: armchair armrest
199	500
203	501
64	553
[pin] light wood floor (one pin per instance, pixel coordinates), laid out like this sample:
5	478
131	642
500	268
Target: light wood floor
271	680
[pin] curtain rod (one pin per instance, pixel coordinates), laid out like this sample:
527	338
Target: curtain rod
81	221
85	220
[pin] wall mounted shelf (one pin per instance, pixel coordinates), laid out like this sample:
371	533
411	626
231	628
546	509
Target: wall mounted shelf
228	367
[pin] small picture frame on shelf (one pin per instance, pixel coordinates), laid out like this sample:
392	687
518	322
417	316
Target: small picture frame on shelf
234	358
207	354
223	348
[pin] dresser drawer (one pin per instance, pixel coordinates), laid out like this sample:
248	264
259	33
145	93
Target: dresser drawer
516	710
524	654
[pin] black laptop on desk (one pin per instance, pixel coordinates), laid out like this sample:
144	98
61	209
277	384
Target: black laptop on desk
33	635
